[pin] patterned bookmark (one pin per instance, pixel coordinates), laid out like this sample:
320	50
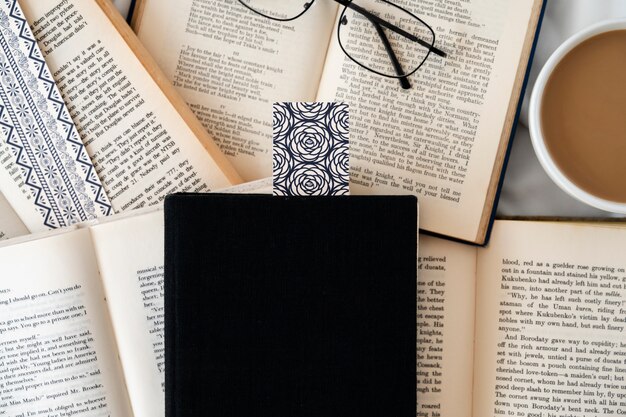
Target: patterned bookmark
36	127
311	149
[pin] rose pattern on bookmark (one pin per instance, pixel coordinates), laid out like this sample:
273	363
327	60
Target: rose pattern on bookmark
311	149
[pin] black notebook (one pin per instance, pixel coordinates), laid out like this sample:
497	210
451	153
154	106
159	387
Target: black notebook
290	307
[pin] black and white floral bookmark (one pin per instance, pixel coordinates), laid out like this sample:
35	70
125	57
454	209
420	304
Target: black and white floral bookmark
311	149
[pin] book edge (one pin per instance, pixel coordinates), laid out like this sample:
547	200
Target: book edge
135	14
508	133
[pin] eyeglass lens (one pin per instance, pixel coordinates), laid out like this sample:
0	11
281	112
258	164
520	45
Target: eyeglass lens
370	42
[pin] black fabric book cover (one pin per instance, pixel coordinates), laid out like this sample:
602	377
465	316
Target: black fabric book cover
290	307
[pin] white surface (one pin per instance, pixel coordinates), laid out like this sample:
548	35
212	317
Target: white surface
528	191
122	6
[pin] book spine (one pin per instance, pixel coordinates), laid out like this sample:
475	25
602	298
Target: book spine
515	122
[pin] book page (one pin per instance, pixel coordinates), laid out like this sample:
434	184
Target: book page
131	259
262	186
142	146
441	138
57	352
445	328
10	223
551	314
230	65
130	254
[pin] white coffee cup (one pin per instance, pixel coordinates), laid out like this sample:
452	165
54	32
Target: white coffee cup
534	118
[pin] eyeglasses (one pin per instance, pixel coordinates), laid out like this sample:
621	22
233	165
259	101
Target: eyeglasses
378	35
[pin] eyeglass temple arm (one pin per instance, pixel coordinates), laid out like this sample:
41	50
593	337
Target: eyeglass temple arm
404	82
373	18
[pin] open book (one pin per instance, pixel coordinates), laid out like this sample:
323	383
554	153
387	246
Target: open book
81	319
137	138
444	140
532	325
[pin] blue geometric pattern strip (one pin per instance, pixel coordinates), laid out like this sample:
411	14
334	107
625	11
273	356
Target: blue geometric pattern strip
310	155
35	125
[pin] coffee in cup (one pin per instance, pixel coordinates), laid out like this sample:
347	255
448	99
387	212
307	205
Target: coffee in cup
578	116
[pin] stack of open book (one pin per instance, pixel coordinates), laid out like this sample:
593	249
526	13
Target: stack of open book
100	120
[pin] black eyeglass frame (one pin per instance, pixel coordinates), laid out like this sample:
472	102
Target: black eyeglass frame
378	24
307	6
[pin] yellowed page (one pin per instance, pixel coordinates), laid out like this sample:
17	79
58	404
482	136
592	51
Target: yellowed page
551	314
440	139
141	145
445	333
57	350
10	223
262	186
230	65
130	254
